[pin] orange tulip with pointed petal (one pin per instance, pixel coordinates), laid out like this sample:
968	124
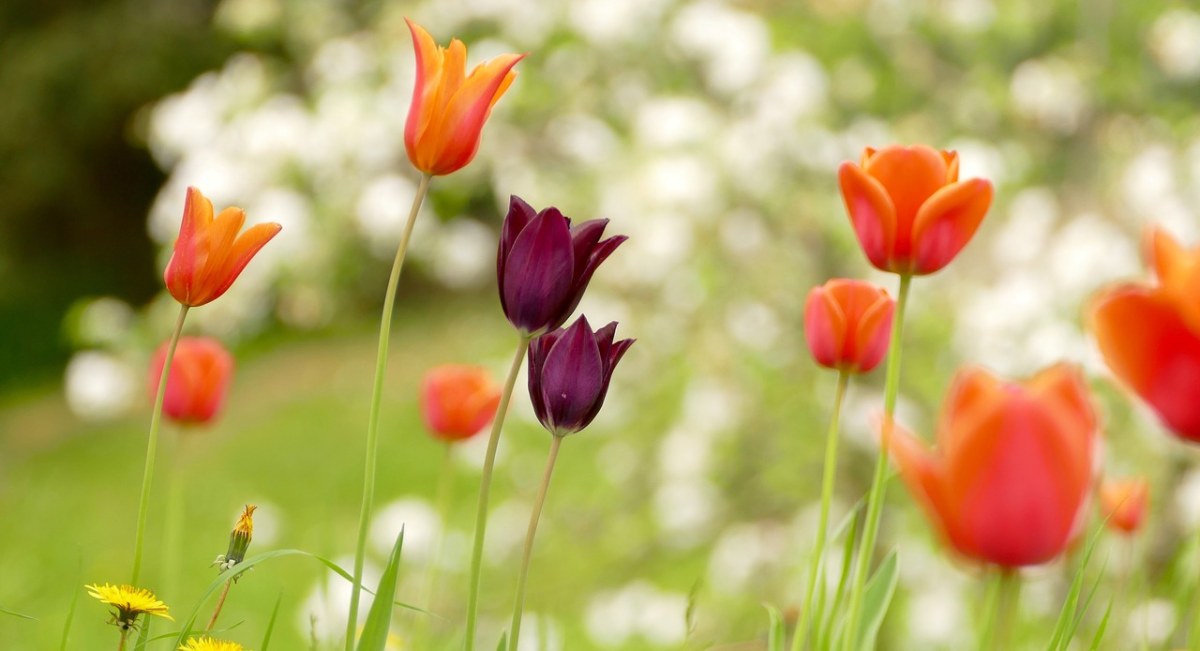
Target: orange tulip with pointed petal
449	107
199	381
909	210
847	324
209	253
1013	470
1124	504
1149	335
458	401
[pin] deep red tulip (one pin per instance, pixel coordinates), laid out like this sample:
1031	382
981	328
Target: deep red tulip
458	401
544	265
1013	467
848	324
909	210
569	374
450	107
1124	504
1149	335
199	381
209	254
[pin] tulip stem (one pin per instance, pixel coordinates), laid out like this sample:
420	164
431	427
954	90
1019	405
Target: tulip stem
385	327
987	628
879	480
827	479
152	448
445	489
485	486
522	578
1007	609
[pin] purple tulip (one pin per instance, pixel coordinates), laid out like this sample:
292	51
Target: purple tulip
569	372
544	265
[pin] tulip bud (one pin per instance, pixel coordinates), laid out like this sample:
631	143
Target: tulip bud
544	265
458	401
199	380
848	324
1124	504
569	374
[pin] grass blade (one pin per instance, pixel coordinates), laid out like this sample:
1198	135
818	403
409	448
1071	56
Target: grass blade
379	617
1060	639
271	623
776	634
826	628
876	599
1102	628
30	617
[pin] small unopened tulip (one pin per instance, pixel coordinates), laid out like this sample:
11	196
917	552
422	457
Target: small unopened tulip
909	210
544	264
848	324
1124	504
458	401
569	374
199	381
450	107
209	253
1013	467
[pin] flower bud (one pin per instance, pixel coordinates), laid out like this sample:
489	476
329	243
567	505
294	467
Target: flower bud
569	374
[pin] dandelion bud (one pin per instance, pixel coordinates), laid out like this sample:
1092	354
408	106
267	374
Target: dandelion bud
239	539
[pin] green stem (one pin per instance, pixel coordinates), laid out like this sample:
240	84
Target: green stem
991	603
878	483
485	486
522	578
152	448
827	480
445	489
1007	610
121	643
220	604
176	509
385	329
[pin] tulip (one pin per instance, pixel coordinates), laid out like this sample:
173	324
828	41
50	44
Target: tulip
1013	470
569	373
1124	504
847	324
209	254
458	401
544	265
449	107
198	382
1149	335
909	210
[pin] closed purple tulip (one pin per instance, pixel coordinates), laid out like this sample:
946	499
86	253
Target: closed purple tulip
569	372
544	265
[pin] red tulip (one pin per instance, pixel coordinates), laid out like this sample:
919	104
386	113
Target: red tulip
1124	504
848	324
209	254
1150	335
450	107
200	376
909	210
1013	469
457	402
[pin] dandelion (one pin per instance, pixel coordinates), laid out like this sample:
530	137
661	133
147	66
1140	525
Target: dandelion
210	644
239	542
130	603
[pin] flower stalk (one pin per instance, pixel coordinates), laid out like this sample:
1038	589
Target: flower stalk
385	327
485	486
827	480
523	576
152	448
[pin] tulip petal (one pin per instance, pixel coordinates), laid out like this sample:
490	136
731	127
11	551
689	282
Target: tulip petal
824	327
186	257
972	392
874	333
539	272
924	474
947	222
871	213
909	175
1164	253
538	349
457	132
428	81
583	275
518	217
1148	345
572	379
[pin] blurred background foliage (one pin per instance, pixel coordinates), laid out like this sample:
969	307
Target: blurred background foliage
709	131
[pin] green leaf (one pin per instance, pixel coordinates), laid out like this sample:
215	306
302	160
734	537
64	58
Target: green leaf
271	623
827	627
1103	627
503	646
776	634
876	599
1061	639
24	616
379	618
143	635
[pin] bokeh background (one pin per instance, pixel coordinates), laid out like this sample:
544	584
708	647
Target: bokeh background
709	131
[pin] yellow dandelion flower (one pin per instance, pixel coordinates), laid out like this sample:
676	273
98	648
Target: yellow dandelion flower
245	523
129	603
209	644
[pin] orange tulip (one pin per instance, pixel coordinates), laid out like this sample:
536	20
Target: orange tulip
1124	504
457	402
1013	469
909	210
449	107
1149	335
199	381
209	253
847	324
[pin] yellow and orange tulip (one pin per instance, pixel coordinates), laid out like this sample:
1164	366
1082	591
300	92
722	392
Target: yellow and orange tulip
1013	470
449	107
909	210
209	253
1124	504
1149	335
847	324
